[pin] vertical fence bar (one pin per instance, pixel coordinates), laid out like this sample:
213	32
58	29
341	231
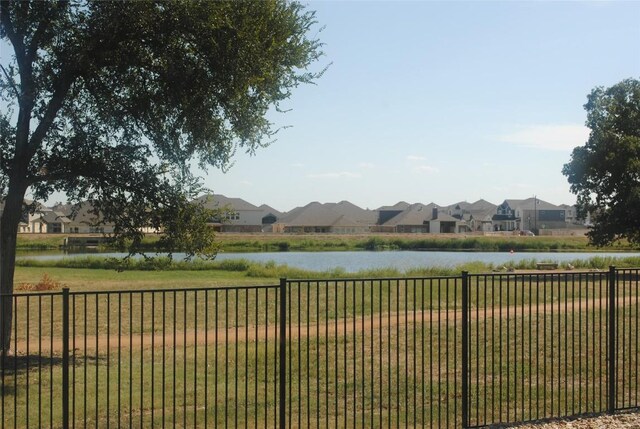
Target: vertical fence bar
283	354
465	349
65	358
612	340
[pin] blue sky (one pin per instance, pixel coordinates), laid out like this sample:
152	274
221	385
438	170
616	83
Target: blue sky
441	102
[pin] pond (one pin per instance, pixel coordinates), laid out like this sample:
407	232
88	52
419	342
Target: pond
364	260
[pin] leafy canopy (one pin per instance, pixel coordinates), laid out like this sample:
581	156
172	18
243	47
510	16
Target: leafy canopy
605	172
112	102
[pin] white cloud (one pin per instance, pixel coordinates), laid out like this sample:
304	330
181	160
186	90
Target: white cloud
367	165
548	137
246	183
426	169
340	175
416	158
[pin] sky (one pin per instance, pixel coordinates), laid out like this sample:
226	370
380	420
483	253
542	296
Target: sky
439	101
428	101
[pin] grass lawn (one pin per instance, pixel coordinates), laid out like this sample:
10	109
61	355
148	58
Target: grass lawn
365	353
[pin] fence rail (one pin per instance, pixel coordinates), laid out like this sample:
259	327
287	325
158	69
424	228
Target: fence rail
463	351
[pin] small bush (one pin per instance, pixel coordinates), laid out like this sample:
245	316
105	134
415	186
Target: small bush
283	246
46	283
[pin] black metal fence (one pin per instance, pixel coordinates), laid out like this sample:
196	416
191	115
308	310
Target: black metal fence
470	350
551	345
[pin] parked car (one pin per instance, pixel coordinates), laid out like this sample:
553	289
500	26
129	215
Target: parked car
527	233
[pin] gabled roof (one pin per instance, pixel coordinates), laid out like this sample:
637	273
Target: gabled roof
50	216
531	204
353	212
216	201
402	205
511	203
481	205
445	217
416	214
83	213
270	210
567	207
63	208
316	214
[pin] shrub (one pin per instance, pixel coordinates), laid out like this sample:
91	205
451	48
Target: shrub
46	283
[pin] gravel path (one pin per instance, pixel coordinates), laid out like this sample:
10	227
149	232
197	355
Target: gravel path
617	421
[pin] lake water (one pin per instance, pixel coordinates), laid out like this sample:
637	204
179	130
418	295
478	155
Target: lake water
363	260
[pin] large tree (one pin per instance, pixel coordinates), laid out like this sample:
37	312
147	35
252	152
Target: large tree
114	101
605	172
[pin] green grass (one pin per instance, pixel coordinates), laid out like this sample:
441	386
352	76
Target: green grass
371	353
137	269
333	242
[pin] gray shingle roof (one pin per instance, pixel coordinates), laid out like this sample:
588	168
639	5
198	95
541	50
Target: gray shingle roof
217	201
316	214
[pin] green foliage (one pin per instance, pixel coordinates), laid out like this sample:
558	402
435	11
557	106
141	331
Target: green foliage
272	270
605	172
113	102
480	244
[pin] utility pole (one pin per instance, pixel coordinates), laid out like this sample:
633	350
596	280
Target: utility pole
535	214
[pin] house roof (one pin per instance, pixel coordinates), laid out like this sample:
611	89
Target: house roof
51	216
531	204
482	205
445	217
416	214
402	205
353	212
216	201
316	214
480	209
82	213
270	210
567	207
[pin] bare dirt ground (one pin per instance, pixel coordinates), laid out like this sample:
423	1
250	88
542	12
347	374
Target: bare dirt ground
329	329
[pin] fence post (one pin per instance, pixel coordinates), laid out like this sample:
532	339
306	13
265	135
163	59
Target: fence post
65	358
465	349
283	354
612	340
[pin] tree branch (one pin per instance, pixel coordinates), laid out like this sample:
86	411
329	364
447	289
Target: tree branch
14	38
54	105
36	40
12	83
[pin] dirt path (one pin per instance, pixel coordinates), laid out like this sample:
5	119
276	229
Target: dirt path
333	328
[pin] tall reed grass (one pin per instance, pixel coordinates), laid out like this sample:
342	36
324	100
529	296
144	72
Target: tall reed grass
272	270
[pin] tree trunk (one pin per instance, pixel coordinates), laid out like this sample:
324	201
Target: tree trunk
9	223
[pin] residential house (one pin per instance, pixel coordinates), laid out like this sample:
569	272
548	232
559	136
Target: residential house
477	215
443	223
413	218
238	216
83	219
38	219
386	214
351	211
529	214
571	217
320	219
55	221
420	218
269	217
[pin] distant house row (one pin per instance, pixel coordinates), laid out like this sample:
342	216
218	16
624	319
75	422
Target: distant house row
347	218
61	219
337	218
